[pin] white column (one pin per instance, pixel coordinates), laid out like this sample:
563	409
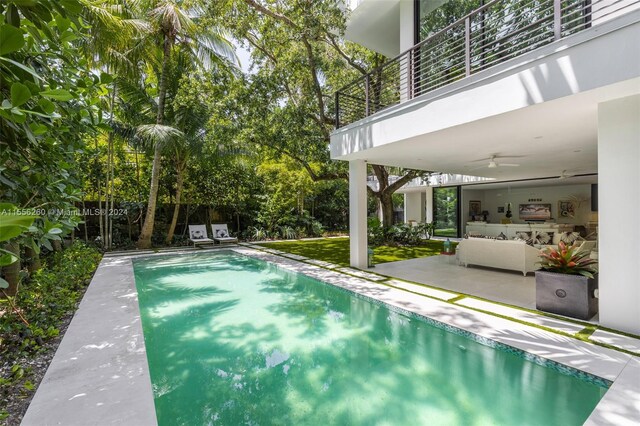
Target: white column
406	43
358	213
412	206
429	208
618	207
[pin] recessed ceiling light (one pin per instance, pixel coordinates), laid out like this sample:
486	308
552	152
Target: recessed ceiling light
578	150
537	137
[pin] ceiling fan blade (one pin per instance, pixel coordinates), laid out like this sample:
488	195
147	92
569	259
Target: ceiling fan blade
482	159
508	165
508	156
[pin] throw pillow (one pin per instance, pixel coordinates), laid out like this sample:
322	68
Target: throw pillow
524	235
528	241
501	237
221	233
197	235
543	238
569	237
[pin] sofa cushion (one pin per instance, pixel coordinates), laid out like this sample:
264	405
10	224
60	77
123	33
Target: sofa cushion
524	236
569	237
543	238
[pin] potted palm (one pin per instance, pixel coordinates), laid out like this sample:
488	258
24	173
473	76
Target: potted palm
566	282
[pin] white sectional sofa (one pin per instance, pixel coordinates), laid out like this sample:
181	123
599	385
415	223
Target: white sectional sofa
501	254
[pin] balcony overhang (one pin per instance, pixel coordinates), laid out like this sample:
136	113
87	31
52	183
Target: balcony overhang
541	105
375	24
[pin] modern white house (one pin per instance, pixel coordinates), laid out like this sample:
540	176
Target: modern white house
542	97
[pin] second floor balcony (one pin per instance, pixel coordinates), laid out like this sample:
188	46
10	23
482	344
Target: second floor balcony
490	35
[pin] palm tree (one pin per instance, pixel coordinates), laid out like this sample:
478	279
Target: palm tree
114	48
206	46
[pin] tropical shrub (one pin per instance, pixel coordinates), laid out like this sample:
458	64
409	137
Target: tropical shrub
567	260
288	233
45	298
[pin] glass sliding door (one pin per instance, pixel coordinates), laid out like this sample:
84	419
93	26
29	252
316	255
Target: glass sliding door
446	207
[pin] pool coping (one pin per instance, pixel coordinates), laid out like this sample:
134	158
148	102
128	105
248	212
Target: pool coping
105	338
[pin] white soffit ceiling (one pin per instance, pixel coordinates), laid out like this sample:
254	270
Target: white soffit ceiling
375	24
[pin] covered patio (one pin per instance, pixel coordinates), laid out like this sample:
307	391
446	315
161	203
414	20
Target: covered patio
443	272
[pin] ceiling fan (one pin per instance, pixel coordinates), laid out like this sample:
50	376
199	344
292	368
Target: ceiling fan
494	164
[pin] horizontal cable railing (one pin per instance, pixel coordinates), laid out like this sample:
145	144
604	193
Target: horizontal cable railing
494	33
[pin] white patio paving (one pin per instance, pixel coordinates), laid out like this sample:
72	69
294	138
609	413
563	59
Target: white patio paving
444	273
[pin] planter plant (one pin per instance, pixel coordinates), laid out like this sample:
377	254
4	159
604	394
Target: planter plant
566	282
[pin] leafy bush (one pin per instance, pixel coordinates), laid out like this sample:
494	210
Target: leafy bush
45	299
568	260
257	234
402	234
316	229
288	233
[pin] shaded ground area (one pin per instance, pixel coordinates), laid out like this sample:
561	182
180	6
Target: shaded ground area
336	250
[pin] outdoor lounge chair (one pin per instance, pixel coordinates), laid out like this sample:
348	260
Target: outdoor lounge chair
198	235
221	233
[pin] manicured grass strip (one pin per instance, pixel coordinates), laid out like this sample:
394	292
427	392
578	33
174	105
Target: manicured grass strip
336	250
586	332
457	298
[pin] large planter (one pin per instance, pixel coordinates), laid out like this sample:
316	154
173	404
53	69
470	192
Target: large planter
564	294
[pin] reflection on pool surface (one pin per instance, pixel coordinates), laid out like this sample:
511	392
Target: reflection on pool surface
233	340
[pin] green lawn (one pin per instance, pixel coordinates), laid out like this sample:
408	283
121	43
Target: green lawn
446	232
336	250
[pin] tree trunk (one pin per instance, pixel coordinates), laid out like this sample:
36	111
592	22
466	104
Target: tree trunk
386	203
33	259
144	241
186	220
12	272
176	209
86	233
100	219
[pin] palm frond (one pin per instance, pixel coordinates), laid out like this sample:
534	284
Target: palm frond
159	135
171	20
212	47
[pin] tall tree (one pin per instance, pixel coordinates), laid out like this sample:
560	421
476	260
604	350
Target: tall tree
205	44
302	60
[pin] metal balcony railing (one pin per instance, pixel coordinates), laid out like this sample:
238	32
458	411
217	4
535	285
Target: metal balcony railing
492	34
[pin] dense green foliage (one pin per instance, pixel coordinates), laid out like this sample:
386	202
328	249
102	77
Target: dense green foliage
45	299
44	303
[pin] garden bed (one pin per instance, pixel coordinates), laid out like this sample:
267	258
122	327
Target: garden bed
47	302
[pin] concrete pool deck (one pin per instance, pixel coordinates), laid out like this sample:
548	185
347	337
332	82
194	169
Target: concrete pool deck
100	375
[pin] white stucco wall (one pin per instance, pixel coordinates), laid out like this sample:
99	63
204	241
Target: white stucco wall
618	207
413	206
406	25
595	58
358	213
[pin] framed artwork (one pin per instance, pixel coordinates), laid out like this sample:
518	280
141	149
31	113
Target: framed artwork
475	208
566	209
534	211
500	209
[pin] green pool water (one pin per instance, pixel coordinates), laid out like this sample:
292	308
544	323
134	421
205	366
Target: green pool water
233	340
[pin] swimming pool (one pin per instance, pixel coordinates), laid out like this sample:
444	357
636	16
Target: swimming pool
236	340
